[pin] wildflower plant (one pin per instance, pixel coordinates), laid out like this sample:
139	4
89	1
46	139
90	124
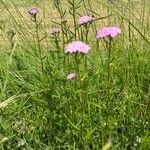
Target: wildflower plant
79	48
85	22
33	12
60	90
55	35
107	34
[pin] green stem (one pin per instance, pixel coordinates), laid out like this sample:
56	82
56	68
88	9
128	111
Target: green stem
109	69
39	45
82	100
77	64
109	48
86	33
74	20
82	114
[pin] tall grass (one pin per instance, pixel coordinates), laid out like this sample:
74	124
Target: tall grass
106	106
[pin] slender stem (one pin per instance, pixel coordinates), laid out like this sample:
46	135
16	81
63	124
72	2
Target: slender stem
77	64
39	45
56	40
82	114
82	37
74	20
62	30
109	69
109	47
86	33
82	100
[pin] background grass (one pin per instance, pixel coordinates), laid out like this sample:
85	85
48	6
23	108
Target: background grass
44	110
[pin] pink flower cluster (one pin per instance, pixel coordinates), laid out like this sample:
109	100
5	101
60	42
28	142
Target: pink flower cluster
54	31
85	19
33	11
71	76
108	31
77	46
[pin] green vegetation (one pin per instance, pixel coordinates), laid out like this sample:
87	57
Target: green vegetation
106	106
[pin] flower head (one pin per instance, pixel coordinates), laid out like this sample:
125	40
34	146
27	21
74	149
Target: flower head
108	31
77	46
85	19
33	11
54	31
71	76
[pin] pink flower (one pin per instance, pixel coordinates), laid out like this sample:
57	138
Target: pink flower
85	19
71	76
54	31
33	11
108	31
77	46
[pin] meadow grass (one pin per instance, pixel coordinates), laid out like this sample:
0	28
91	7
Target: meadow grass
106	106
